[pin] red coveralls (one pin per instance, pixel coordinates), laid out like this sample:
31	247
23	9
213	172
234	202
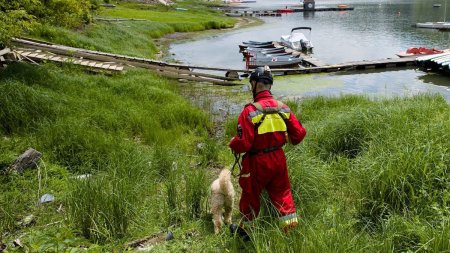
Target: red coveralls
264	164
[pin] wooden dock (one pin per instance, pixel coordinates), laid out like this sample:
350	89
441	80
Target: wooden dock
278	12
39	55
438	63
101	60
324	9
351	66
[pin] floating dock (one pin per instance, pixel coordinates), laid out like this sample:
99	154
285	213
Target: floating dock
278	12
349	66
437	62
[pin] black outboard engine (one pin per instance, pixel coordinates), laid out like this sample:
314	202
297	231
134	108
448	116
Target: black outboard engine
309	5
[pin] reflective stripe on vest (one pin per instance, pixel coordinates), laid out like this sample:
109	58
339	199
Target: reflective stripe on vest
288	220
271	119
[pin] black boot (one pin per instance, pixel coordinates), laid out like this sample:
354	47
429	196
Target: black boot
235	229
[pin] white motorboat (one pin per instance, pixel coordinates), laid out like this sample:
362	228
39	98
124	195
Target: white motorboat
297	40
434	25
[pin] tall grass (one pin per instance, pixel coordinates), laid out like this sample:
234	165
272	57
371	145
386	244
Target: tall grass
371	176
111	127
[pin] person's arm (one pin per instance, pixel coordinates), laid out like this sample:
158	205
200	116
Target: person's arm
243	140
296	131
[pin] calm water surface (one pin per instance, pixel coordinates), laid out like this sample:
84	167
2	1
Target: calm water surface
375	29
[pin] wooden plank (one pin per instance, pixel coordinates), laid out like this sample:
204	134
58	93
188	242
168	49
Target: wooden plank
83	63
98	65
5	51
92	64
41	56
106	66
25	53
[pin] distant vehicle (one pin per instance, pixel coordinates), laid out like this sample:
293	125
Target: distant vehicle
297	40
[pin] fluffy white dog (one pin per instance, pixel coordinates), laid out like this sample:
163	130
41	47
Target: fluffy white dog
222	198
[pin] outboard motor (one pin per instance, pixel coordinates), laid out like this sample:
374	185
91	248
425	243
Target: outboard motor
309	5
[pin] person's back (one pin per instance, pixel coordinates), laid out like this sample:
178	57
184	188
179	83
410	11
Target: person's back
263	128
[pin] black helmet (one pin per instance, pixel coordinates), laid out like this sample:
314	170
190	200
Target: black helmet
262	74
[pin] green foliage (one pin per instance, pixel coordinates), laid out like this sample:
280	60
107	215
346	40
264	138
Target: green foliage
209	151
20	16
196	193
13	22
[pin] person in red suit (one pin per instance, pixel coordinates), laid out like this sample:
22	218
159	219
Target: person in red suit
263	128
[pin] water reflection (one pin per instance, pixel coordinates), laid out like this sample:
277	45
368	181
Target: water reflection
375	29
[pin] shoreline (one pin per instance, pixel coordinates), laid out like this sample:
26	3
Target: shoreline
167	40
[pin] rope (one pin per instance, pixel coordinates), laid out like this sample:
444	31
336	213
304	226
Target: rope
237	158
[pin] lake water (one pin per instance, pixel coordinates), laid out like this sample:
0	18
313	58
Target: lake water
374	30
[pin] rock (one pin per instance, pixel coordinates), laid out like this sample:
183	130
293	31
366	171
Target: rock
27	221
201	146
28	159
47	198
169	236
17	243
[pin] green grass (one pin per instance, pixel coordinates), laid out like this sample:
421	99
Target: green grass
371	175
138	139
136	38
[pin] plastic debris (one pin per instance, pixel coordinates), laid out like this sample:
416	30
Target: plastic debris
17	243
82	177
169	236
47	198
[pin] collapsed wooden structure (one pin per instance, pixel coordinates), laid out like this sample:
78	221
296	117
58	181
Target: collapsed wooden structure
36	51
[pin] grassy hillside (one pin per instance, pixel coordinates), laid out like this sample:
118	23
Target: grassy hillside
136	38
371	175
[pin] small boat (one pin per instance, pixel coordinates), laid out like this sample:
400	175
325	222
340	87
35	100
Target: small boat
285	11
274	62
434	25
420	51
342	6
264	53
297	40
252	42
249	45
437	5
265	50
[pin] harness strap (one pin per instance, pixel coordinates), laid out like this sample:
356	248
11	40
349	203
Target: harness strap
268	110
264	150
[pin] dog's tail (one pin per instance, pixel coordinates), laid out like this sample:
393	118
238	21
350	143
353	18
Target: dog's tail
225	180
